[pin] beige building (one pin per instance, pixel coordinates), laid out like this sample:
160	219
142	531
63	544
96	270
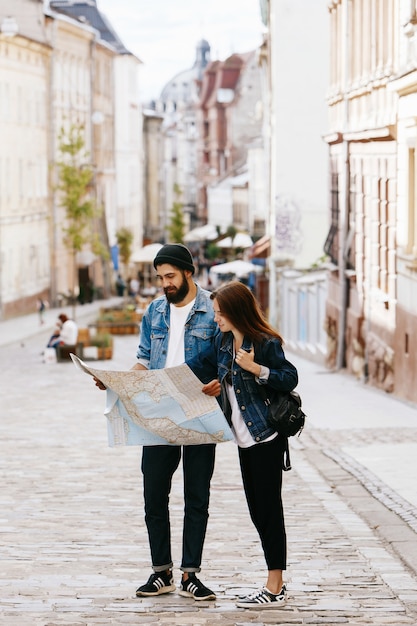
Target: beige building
62	64
111	113
404	86
154	215
371	309
129	150
363	170
229	125
25	60
178	103
73	96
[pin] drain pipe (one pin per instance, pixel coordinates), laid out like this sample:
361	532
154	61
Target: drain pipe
345	202
272	148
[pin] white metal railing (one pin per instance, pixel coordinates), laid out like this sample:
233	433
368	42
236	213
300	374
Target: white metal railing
302	308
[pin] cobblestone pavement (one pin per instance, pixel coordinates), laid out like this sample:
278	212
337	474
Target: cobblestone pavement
72	536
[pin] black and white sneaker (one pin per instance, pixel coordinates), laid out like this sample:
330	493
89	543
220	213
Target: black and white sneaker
263	599
158	583
194	588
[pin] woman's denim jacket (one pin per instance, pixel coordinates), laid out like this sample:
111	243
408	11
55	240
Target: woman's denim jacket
217	362
200	328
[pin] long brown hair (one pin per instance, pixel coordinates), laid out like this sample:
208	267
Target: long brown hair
238	304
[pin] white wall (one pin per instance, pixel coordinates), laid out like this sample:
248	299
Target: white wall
300	57
128	211
220	205
24	209
258	192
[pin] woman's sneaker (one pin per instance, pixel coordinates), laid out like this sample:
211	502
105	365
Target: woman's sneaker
263	599
158	583
194	588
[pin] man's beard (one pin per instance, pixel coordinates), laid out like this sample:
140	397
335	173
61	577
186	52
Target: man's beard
177	296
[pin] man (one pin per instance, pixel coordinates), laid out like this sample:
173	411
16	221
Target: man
66	332
175	327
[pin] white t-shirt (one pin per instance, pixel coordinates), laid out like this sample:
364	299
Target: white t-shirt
178	317
242	435
69	332
243	438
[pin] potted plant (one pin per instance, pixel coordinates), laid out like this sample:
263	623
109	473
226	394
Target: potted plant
119	321
104	344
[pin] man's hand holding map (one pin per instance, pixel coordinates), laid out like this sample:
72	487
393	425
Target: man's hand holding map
159	407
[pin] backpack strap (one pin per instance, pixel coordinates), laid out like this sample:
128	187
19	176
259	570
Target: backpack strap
286	463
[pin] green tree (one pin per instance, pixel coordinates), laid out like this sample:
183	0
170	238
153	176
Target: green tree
75	178
212	251
176	227
231	232
124	237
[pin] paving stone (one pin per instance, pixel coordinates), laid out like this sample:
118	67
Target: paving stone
74	544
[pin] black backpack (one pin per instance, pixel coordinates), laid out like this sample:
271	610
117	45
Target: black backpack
285	415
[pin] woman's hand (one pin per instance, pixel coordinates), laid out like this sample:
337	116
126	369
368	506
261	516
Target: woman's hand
245	360
212	388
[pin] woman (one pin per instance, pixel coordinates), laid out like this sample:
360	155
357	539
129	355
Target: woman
247	354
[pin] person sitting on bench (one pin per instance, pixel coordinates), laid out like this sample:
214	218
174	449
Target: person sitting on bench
66	332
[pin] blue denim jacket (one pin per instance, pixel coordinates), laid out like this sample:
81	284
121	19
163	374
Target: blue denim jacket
217	361
200	328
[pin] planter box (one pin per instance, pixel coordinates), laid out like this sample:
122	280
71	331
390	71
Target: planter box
117	328
119	321
94	353
120	315
90	353
105	353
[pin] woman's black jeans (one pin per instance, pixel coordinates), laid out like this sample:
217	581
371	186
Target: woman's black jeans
158	466
261	467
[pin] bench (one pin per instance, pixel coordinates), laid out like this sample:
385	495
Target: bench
63	352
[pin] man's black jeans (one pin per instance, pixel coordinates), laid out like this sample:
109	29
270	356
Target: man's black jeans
158	466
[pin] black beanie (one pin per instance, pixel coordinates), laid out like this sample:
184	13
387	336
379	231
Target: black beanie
175	254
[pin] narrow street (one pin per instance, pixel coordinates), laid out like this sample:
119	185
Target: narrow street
73	541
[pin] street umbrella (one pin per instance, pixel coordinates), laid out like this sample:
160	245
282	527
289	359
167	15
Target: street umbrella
146	254
240	240
238	268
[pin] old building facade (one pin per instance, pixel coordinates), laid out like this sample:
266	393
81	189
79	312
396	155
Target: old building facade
177	103
72	96
112	119
371	308
154	214
25	66
62	64
230	119
404	85
295	56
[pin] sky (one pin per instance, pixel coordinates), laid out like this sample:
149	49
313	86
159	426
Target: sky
164	33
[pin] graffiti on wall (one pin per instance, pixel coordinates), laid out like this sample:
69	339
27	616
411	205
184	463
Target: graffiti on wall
288	226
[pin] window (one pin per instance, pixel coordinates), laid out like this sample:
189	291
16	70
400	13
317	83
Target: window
412	204
383	234
378	232
332	242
